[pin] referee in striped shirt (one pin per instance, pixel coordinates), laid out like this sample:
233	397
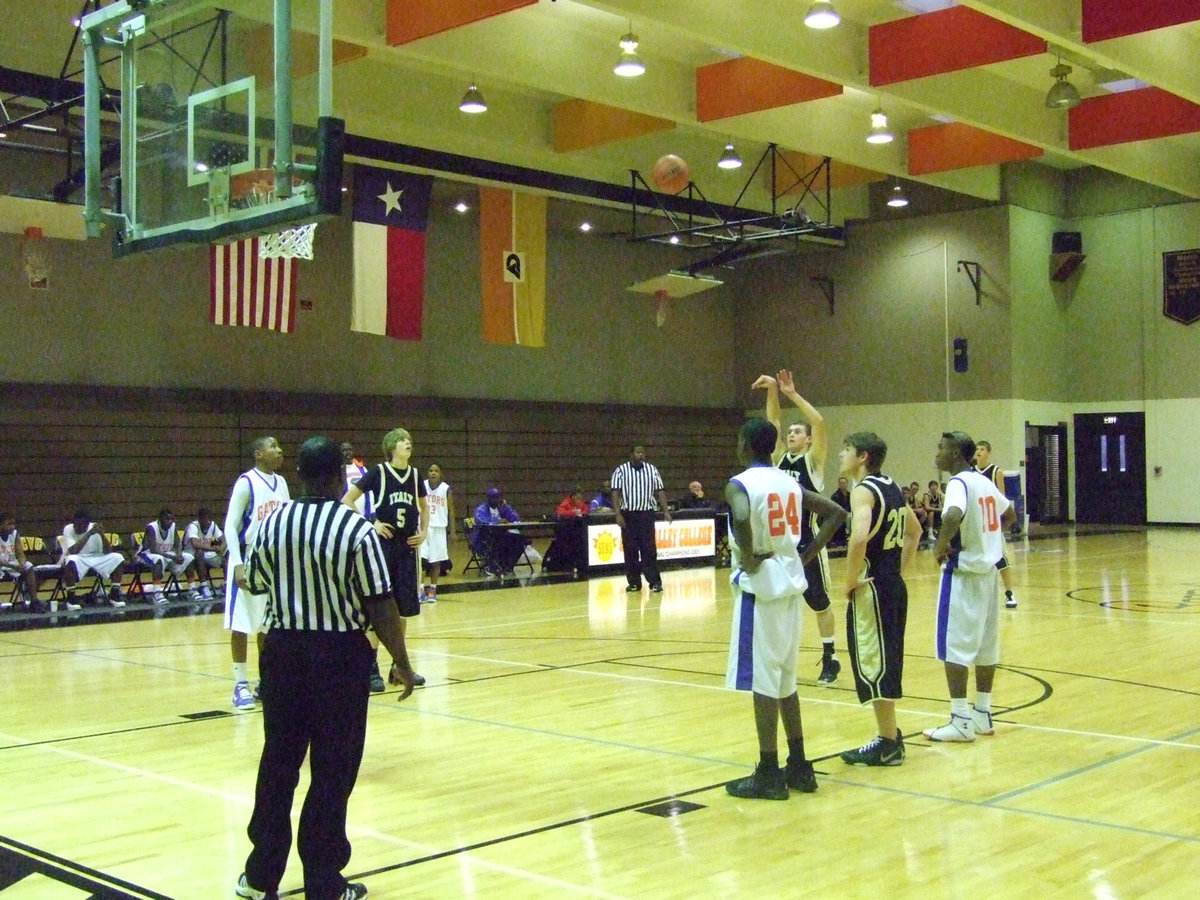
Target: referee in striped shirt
636	485
322	568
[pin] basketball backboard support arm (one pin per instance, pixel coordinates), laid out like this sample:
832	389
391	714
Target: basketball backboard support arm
128	25
128	19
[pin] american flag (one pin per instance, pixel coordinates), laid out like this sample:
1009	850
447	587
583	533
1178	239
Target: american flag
245	289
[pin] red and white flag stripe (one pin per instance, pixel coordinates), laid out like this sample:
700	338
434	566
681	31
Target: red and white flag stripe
246	289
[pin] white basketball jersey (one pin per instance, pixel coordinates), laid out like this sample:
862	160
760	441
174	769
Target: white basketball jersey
193	531
439	509
267	493
776	509
353	473
160	543
8	545
979	543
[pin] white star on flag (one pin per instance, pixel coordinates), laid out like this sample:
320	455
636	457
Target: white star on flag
391	199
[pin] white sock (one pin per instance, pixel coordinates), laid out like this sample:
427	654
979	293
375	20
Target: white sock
239	672
958	707
983	702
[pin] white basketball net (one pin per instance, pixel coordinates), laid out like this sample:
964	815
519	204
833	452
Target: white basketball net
294	242
291	243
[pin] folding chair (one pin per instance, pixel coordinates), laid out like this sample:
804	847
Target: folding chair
94	591
525	560
47	567
14	594
137	567
476	561
171	582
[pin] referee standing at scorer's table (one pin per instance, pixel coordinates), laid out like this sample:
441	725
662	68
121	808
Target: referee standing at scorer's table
636	485
322	568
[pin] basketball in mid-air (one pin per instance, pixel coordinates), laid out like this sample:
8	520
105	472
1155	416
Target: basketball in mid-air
670	174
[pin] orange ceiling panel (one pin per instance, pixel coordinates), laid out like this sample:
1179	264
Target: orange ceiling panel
1104	19
746	85
411	20
840	174
579	124
945	41
943	148
1131	116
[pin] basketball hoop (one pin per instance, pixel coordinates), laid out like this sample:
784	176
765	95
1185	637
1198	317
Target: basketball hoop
36	258
257	188
291	243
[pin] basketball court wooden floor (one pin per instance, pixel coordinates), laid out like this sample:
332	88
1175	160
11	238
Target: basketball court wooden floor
573	741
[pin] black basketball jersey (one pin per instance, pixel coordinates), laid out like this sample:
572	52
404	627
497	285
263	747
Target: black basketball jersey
885	538
989	472
395	497
796	465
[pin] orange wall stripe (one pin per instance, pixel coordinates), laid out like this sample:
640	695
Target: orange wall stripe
840	174
1104	19
411	20
1131	116
944	41
737	86
578	124
495	239
943	148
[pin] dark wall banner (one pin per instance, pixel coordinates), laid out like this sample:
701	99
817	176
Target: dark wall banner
1181	286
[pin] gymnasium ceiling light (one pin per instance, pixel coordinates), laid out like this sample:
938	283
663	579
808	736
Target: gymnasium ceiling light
729	158
896	199
628	64
472	101
1062	94
822	15
880	133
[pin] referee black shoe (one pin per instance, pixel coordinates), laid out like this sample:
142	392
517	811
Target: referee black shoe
377	685
764	783
632	588
354	891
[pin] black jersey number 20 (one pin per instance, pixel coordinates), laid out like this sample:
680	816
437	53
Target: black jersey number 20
895	532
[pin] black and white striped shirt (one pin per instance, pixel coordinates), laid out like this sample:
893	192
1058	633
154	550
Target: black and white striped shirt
317	561
637	486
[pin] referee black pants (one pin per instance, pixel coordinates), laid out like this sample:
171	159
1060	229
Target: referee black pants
315	686
641	552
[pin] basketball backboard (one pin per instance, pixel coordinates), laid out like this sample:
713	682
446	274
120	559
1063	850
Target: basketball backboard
225	126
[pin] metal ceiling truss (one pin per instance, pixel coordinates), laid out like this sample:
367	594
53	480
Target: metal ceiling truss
743	234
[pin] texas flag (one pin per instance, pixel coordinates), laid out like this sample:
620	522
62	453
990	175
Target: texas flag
391	209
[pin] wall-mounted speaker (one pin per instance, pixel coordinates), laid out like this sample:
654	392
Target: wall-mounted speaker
1066	254
1066	242
960	355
